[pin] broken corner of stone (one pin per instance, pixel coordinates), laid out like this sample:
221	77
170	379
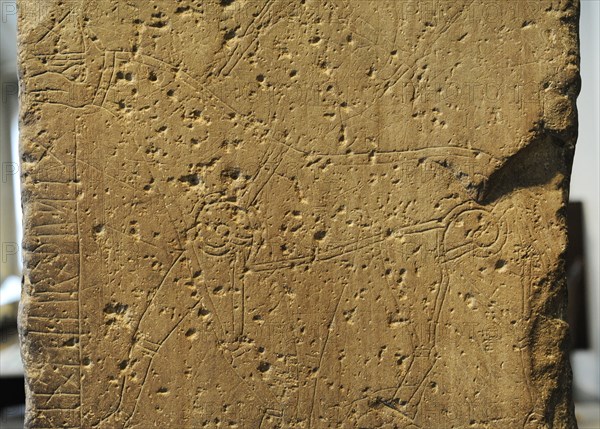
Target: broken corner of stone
277	214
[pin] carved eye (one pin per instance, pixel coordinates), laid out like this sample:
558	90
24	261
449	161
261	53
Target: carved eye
472	230
223	226
215	236
222	230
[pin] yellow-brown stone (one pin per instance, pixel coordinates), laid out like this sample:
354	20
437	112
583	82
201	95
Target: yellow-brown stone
296	214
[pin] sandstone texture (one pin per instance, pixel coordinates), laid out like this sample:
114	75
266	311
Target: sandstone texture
296	214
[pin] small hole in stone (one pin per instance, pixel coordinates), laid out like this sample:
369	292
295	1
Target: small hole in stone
264	366
499	264
230	34
320	235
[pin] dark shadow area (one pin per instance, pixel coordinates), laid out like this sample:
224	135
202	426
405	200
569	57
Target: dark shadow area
576	278
534	165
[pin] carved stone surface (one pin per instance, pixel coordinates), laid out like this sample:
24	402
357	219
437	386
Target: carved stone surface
296	214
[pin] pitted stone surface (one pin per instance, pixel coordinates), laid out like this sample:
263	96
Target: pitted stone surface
296	214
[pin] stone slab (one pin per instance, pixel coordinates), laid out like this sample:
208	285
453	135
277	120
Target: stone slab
296	214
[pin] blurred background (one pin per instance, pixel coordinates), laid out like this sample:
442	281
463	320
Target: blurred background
583	269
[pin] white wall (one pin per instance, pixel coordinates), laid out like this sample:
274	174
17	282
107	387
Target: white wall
9	201
585	187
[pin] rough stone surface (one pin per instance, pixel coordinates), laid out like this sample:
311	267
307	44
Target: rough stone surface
296	214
